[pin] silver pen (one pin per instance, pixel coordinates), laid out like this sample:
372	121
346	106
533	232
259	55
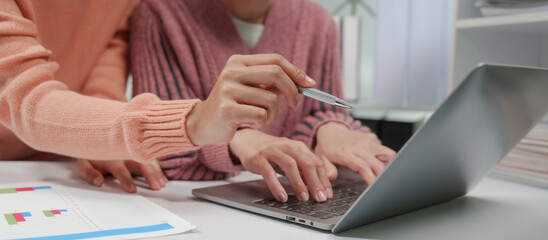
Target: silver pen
324	97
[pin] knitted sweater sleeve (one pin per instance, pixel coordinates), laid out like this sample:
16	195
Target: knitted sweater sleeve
47	116
329	81
154	68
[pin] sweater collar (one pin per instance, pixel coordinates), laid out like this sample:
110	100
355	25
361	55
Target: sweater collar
282	20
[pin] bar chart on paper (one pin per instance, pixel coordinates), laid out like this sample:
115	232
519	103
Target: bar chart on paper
14	218
27	210
70	211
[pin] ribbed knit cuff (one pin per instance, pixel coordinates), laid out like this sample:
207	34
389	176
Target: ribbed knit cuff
306	131
217	158
155	128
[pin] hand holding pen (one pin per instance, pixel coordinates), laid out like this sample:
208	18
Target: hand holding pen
245	94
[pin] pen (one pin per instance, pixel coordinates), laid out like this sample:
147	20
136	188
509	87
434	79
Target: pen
324	97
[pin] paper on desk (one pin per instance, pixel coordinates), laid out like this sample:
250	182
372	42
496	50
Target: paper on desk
70	210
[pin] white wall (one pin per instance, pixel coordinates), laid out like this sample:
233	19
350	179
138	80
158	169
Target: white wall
412	54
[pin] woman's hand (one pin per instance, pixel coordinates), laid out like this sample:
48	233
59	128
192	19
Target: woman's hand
245	94
93	172
361	152
264	154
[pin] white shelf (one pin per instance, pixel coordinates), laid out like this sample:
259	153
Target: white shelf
528	22
517	39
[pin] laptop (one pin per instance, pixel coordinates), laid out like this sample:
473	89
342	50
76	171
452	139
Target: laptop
470	132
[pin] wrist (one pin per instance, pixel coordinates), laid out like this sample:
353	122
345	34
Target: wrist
193	125
241	140
235	159
329	129
238	139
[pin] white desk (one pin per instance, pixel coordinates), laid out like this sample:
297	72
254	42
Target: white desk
495	209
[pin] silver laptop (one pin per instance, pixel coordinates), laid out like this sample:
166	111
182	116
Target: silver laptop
476	126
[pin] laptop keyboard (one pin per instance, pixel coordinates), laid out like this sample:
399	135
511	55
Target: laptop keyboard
344	196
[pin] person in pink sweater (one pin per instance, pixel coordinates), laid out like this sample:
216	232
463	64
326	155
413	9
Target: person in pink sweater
179	50
62	78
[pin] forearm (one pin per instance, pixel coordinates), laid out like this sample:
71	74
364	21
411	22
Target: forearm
50	118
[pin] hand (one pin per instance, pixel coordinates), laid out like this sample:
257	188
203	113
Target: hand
245	94
93	172
361	152
262	154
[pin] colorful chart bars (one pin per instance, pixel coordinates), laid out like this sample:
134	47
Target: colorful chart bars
14	218
51	213
23	189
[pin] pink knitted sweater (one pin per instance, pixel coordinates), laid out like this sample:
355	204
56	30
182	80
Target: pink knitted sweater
178	49
60	62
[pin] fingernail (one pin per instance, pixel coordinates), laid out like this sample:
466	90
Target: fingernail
155	185
282	197
329	192
310	80
297	100
248	125
320	197
131	188
304	196
97	181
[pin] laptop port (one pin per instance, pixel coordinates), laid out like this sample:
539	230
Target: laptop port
290	218
303	221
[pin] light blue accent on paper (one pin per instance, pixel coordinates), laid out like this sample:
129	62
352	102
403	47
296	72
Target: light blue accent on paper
106	233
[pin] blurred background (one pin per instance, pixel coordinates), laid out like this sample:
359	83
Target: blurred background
403	50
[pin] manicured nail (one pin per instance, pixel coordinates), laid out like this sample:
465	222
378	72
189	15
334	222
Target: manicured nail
382	158
282	197
304	196
329	192
320	197
97	181
155	185
310	80
248	125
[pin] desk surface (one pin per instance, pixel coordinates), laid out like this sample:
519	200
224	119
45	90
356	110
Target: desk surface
495	209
